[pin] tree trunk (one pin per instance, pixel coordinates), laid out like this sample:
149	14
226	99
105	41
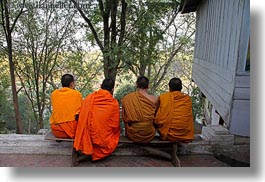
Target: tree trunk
8	32
41	125
29	122
13	83
110	70
108	11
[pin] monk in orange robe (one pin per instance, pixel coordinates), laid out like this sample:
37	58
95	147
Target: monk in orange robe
98	129
174	119
66	103
138	113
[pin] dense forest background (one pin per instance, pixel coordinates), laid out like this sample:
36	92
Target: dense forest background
123	39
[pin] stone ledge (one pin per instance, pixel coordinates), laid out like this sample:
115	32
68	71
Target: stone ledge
35	144
32	144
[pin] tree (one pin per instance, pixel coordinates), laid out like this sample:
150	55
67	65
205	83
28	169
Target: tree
27	115
177	51
84	65
42	35
8	23
110	37
148	22
154	52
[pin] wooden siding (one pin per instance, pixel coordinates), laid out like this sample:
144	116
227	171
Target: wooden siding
216	87
242	87
217	43
241	116
244	39
240	111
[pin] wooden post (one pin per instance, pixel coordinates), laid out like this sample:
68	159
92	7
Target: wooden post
74	156
174	158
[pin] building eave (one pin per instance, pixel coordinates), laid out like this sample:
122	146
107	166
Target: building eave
187	6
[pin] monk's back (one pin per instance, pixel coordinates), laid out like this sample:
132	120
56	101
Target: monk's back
66	104
174	117
138	112
98	129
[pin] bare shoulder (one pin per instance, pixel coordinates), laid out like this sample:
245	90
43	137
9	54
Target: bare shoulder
154	98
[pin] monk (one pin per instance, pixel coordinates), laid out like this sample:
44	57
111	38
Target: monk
174	119
98	129
138	112
66	104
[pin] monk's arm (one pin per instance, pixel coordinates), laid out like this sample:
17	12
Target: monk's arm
79	101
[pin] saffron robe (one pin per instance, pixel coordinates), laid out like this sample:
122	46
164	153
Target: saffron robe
66	104
138	115
98	128
174	119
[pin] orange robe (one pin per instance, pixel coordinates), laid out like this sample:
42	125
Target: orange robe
98	129
138	115
174	119
66	104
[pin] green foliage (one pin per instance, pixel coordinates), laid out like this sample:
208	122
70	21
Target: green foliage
29	125
43	35
124	90
184	40
3	129
7	115
4	74
120	93
145	19
197	103
86	67
7	118
45	50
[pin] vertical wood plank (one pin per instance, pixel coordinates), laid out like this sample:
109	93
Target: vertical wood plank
198	38
215	31
205	32
209	11
196	33
235	39
244	38
220	27
229	28
222	46
213	12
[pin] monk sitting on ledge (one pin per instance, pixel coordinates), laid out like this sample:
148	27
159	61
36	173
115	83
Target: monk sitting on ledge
174	119
98	129
66	103
138	113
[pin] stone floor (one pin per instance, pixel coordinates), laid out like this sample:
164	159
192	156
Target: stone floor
25	160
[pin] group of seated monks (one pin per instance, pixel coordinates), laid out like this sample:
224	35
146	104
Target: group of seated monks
94	122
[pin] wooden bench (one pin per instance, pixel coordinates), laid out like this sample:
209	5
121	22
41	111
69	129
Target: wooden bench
49	136
149	147
124	140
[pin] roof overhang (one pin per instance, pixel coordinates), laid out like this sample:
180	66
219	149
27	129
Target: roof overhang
187	6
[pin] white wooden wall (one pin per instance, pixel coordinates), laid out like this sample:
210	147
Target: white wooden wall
240	113
219	29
